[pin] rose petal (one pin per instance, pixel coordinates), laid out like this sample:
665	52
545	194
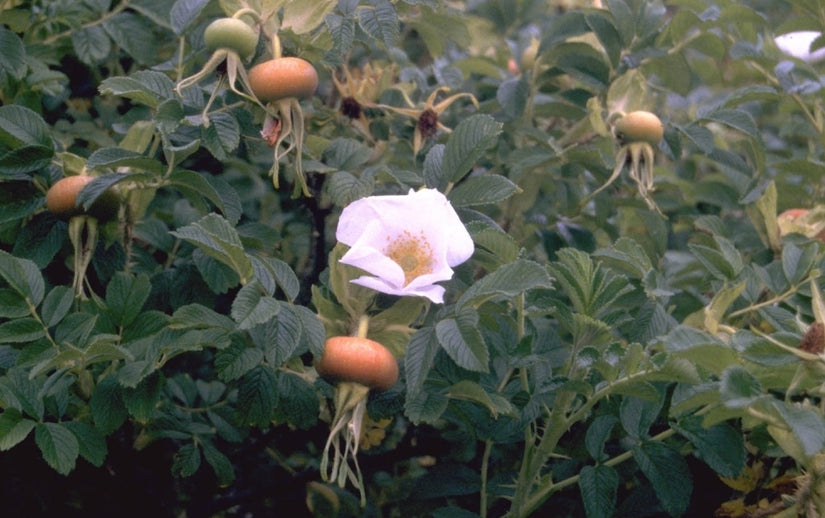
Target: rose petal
372	226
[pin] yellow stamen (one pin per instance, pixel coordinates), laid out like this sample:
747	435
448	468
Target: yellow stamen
412	253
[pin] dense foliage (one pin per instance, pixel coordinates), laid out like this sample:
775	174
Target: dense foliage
637	332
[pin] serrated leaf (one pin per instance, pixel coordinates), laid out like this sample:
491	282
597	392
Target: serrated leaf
598	486
736	119
187	460
471	391
144	86
467	143
508	281
419	358
739	388
222	136
183	13
106	405
217	238
512	95
462	341
21	330
597	434
251	307
720	446
342	31
58	445
197	316
344	188
56	305
134	34
13	57
668	473
637	415
141	400
797	262
92	444
224	471
125	296
482	190
114	157
91	44
258	396
193	184
235	361
25	159
299	401
381	22
14	428
20	126
433	171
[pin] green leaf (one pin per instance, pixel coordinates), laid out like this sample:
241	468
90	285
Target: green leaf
215	236
700	348
715	311
807	426
739	388
466	145
714	261
13	57
482	190
471	391
597	435
14	428
508	281
113	157
512	95
197	316
193	185
463	342
58	445
182	14
134	34
304	17
56	305
736	119
22	330
668	473
91	44
797	262
598	486
258	396
144	86
637	415
222	136
106	405
419	358
221	465
251	307
299	401
25	159
381	22
187	460
141	400
92	444
20	127
125	296
721	446
425	407
344	188
235	361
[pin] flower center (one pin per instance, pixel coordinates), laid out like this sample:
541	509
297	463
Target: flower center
412	253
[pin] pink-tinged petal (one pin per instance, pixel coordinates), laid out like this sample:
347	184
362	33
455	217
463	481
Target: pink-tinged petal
434	292
407	242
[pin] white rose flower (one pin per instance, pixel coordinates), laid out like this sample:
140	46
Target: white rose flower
798	45
407	243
